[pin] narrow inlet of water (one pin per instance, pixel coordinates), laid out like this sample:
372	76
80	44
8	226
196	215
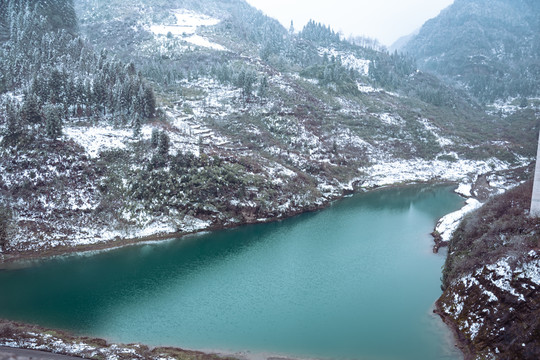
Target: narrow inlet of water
357	280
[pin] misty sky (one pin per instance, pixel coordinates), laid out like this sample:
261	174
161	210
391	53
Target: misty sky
385	20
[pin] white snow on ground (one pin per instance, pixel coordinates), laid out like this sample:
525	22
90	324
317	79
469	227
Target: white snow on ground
367	88
348	60
501	183
498	275
191	224
184	136
96	139
531	270
505	107
47	342
391	172
449	223
186	26
345	137
156	228
501	275
435	131
464	190
390	119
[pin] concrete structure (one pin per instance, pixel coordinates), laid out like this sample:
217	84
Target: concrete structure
535	201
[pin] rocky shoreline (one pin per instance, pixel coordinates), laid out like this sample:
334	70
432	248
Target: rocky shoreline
17	335
490	297
20	259
25	258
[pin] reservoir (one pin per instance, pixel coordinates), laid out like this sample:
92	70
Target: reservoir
355	281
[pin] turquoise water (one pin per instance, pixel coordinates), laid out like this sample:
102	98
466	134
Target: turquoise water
357	280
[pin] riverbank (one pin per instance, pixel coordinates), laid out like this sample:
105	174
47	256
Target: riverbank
490	280
476	194
24	336
22	259
44	231
89	281
481	188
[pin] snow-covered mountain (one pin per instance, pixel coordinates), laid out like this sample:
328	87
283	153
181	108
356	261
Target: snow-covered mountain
178	116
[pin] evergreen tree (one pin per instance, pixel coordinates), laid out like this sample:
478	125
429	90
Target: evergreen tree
164	143
149	102
53	120
30	111
137	126
56	85
13	125
154	140
263	87
5	226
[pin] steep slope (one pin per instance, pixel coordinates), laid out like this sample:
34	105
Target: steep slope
491	279
490	47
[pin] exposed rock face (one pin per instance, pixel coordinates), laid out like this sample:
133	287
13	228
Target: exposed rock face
491	280
496	310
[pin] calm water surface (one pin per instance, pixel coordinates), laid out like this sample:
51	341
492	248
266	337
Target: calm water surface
357	280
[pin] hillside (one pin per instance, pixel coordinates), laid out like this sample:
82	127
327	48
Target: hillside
168	117
491	48
491	279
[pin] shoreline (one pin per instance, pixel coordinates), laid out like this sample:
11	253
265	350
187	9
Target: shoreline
31	258
17	335
459	340
24	259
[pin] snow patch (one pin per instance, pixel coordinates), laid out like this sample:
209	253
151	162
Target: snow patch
97	139
464	190
390	172
449	223
192	224
348	60
187	23
435	131
390	119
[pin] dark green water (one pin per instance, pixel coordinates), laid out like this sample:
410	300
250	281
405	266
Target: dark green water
357	280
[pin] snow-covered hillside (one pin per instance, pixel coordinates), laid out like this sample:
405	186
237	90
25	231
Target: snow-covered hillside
187	23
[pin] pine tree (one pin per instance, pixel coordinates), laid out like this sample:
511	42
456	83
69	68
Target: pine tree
263	87
56	85
30	111
5	226
53	120
137	126
154	140
13	125
164	143
149	102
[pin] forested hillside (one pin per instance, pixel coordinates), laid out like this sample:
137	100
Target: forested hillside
491	47
144	118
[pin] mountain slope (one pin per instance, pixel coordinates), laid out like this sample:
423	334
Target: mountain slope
245	123
490	47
